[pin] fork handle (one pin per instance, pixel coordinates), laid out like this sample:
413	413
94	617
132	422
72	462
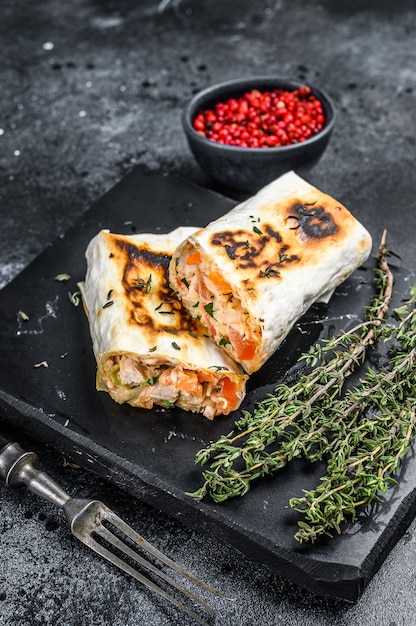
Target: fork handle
19	467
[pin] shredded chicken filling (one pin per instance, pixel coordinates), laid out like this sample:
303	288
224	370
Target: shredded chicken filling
144	384
209	296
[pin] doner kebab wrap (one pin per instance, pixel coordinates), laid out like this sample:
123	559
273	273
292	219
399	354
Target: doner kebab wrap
149	350
251	274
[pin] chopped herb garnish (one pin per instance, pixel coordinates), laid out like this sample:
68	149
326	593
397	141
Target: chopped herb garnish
185	282
209	308
107	304
167	403
171	330
168	303
177	261
153	349
109	294
151	381
175	345
218	368
268	272
194	335
195	305
257	230
223	341
140	283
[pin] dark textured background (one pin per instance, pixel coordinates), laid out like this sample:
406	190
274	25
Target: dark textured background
88	90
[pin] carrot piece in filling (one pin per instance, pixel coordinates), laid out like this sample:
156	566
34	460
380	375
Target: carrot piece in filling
245	349
189	383
193	259
206	377
219	281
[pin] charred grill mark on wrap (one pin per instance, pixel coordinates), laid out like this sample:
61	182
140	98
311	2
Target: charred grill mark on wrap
146	284
261	248
312	221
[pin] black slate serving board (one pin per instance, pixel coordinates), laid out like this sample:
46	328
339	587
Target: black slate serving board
150	454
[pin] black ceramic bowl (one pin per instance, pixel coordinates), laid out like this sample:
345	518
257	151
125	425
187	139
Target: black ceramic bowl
249	169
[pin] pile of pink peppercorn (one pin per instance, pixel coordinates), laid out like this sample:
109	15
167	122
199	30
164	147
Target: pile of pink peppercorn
263	119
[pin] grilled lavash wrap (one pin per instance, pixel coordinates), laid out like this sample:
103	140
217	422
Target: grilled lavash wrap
149	350
251	274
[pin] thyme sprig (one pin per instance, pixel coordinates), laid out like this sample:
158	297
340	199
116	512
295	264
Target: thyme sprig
362	433
242	456
373	428
366	453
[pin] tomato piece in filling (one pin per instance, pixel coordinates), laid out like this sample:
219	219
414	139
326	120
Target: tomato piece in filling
228	392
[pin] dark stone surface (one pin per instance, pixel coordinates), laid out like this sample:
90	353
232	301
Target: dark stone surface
88	89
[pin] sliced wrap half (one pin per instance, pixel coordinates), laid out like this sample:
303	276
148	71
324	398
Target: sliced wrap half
148	349
250	275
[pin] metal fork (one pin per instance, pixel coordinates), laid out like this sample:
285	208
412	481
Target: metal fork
89	519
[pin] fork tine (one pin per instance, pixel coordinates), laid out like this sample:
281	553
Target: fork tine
99	512
128	569
148	547
105	533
